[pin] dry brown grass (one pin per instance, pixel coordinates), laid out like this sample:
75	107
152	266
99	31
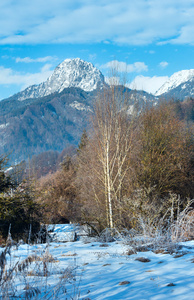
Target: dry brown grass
33	273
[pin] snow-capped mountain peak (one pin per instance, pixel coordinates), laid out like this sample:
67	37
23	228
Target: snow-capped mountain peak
75	73
70	73
175	80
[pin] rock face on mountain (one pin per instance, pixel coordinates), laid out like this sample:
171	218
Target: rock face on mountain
181	81
70	73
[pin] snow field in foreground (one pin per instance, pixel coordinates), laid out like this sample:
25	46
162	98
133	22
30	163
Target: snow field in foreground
92	270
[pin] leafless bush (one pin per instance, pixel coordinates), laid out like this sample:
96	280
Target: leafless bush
183	227
109	235
175	226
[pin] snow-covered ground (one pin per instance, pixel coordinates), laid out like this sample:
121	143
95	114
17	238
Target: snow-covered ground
88	270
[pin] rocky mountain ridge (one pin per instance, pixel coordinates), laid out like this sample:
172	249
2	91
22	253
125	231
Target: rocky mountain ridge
176	80
81	74
70	73
182	91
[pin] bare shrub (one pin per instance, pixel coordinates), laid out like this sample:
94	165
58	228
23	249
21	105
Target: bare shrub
183	227
176	225
57	194
109	235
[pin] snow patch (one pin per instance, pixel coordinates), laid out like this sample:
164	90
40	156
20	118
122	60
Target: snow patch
131	109
2	126
80	106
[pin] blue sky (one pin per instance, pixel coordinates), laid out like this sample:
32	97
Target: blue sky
148	40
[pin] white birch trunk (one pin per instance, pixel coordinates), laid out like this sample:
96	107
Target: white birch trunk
108	185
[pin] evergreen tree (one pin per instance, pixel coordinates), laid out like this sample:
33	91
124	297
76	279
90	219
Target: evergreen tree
83	141
17	207
5	180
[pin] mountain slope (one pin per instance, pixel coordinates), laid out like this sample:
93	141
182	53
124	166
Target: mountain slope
176	80
48	123
182	91
52	122
70	73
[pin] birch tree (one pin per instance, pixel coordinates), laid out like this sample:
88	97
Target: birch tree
106	161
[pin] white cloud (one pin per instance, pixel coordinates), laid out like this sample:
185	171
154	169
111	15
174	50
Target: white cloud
92	56
38	59
125	22
148	84
120	66
163	64
9	76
